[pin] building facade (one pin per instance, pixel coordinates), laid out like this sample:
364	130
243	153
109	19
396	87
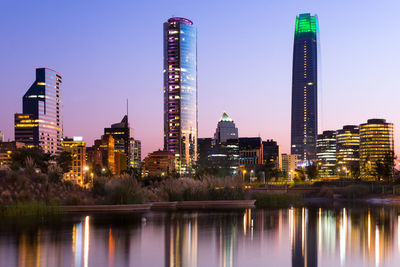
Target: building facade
180	92
226	129
376	144
26	129
77	147
224	157
40	123
204	150
326	154
125	143
159	163
250	151
136	153
289	164
6	149
348	150
304	89
271	153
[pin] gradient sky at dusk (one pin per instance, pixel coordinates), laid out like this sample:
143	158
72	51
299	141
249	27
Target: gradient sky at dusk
108	51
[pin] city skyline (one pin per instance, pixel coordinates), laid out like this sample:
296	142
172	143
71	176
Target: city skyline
252	119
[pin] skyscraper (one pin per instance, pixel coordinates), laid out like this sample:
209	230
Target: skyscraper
304	88
226	130
40	124
180	92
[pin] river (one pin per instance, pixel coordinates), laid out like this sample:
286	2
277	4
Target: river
343	235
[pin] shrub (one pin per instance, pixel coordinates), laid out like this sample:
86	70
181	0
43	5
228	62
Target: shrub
54	173
276	201
99	184
124	191
186	189
28	209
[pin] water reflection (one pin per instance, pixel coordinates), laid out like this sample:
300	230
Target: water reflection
313	236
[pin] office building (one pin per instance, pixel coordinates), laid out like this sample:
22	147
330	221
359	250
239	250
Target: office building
250	151
77	147
224	157
26	129
304	89
40	123
289	164
125	143
1	137
180	92
102	154
326	154
159	163
136	153
6	149
204	148
376	144
226	130
271	154
348	150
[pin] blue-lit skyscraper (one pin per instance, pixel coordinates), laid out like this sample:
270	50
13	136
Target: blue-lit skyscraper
180	92
304	88
40	124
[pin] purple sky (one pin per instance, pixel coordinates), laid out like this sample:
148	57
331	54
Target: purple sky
108	51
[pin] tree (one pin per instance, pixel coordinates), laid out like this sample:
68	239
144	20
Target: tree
64	161
312	171
32	156
355	171
384	168
299	175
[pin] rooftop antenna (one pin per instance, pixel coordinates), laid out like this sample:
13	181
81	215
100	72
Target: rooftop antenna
127	107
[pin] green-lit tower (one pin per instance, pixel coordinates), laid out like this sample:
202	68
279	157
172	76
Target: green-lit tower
304	89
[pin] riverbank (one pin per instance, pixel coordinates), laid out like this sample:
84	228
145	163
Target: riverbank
165	206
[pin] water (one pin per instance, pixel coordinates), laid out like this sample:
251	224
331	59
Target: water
335	236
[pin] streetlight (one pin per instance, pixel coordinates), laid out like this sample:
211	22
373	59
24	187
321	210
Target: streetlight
244	174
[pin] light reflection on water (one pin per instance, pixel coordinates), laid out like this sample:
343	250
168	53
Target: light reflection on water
344	236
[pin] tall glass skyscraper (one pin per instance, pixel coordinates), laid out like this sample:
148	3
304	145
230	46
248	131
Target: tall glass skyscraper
40	124
180	92
304	88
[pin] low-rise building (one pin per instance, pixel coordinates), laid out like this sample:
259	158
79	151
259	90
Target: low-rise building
159	163
6	149
250	151
289	164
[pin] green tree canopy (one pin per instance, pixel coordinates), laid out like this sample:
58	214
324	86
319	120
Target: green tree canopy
35	155
64	161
